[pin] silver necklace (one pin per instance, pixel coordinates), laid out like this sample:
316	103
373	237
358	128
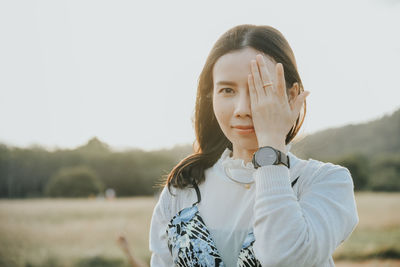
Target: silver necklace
247	185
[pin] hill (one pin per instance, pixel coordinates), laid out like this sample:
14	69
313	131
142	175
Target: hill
372	139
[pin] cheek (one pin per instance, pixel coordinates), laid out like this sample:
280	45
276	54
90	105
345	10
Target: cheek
221	112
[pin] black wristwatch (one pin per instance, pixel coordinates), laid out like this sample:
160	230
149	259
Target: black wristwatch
268	155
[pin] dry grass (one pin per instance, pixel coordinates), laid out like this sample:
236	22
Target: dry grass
378	210
34	230
378	232
52	231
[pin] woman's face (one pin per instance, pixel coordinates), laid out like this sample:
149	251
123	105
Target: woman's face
231	99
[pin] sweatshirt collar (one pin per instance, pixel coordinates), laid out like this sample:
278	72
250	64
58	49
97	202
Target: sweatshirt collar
238	168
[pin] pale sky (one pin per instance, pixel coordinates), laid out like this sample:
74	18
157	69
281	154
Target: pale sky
126	71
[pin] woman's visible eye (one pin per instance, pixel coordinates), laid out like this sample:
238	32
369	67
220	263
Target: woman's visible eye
226	90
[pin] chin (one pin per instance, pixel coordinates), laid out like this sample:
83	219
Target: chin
247	145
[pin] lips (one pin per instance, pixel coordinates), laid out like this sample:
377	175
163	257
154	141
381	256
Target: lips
243	127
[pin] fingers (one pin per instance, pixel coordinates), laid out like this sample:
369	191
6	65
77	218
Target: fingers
280	82
252	90
264	73
261	76
258	83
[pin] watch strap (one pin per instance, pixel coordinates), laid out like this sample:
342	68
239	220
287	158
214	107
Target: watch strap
282	159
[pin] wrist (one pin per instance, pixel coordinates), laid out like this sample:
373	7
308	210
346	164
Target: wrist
275	143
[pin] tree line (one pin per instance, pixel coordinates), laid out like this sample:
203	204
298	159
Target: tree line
90	169
28	172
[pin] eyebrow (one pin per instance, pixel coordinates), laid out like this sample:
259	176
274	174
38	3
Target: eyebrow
226	83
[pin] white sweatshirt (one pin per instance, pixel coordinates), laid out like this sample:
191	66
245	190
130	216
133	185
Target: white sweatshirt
299	226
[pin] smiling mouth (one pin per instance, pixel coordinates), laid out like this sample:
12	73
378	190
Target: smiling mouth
243	127
244	130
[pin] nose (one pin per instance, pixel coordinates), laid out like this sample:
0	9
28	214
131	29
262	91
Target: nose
242	104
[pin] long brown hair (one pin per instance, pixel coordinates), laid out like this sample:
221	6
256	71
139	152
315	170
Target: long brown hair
210	140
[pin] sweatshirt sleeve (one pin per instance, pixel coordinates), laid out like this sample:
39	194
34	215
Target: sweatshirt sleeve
305	231
160	254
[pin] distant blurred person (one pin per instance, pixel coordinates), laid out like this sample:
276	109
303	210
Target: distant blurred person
242	199
123	244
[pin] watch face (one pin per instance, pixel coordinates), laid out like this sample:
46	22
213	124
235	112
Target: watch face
266	156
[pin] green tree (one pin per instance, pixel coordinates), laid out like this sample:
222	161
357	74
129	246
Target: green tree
358	166
385	175
78	181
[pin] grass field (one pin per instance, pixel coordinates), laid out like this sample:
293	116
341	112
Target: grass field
83	232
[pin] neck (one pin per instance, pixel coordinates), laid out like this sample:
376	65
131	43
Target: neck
245	154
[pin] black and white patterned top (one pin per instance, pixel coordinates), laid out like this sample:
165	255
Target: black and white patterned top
191	243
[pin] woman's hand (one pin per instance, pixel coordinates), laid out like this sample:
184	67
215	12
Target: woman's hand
273	115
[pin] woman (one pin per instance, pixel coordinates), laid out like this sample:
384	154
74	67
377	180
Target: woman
242	199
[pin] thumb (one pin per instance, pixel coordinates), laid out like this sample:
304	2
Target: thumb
299	103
